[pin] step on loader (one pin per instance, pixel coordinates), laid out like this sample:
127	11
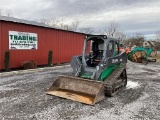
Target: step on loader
100	71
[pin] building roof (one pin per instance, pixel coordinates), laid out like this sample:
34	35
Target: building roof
27	22
151	43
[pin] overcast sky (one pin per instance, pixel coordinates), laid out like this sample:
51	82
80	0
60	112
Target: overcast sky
133	16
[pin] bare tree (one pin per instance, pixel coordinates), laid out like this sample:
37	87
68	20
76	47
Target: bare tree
157	46
1	12
137	39
100	31
71	27
44	21
87	30
111	28
158	36
74	25
57	23
120	35
60	24
66	27
8	13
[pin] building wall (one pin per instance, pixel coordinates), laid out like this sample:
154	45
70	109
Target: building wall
1	53
64	44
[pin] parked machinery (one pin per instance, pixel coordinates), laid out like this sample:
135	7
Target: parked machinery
99	71
140	55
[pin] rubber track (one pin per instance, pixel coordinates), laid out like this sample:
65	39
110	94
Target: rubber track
113	80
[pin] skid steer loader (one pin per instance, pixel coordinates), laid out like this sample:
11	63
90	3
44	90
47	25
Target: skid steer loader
100	71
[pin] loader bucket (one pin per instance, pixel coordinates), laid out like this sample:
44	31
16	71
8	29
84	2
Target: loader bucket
78	89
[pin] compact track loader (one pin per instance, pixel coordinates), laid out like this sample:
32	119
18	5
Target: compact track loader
100	71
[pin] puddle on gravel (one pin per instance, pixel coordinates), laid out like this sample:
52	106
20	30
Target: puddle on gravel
131	84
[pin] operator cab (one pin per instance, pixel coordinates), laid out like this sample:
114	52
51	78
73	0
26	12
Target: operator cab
96	50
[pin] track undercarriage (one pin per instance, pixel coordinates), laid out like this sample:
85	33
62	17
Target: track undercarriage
115	82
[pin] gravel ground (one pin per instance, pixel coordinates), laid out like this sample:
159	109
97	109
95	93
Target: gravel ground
23	97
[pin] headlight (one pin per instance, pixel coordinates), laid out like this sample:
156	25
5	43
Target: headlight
104	36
